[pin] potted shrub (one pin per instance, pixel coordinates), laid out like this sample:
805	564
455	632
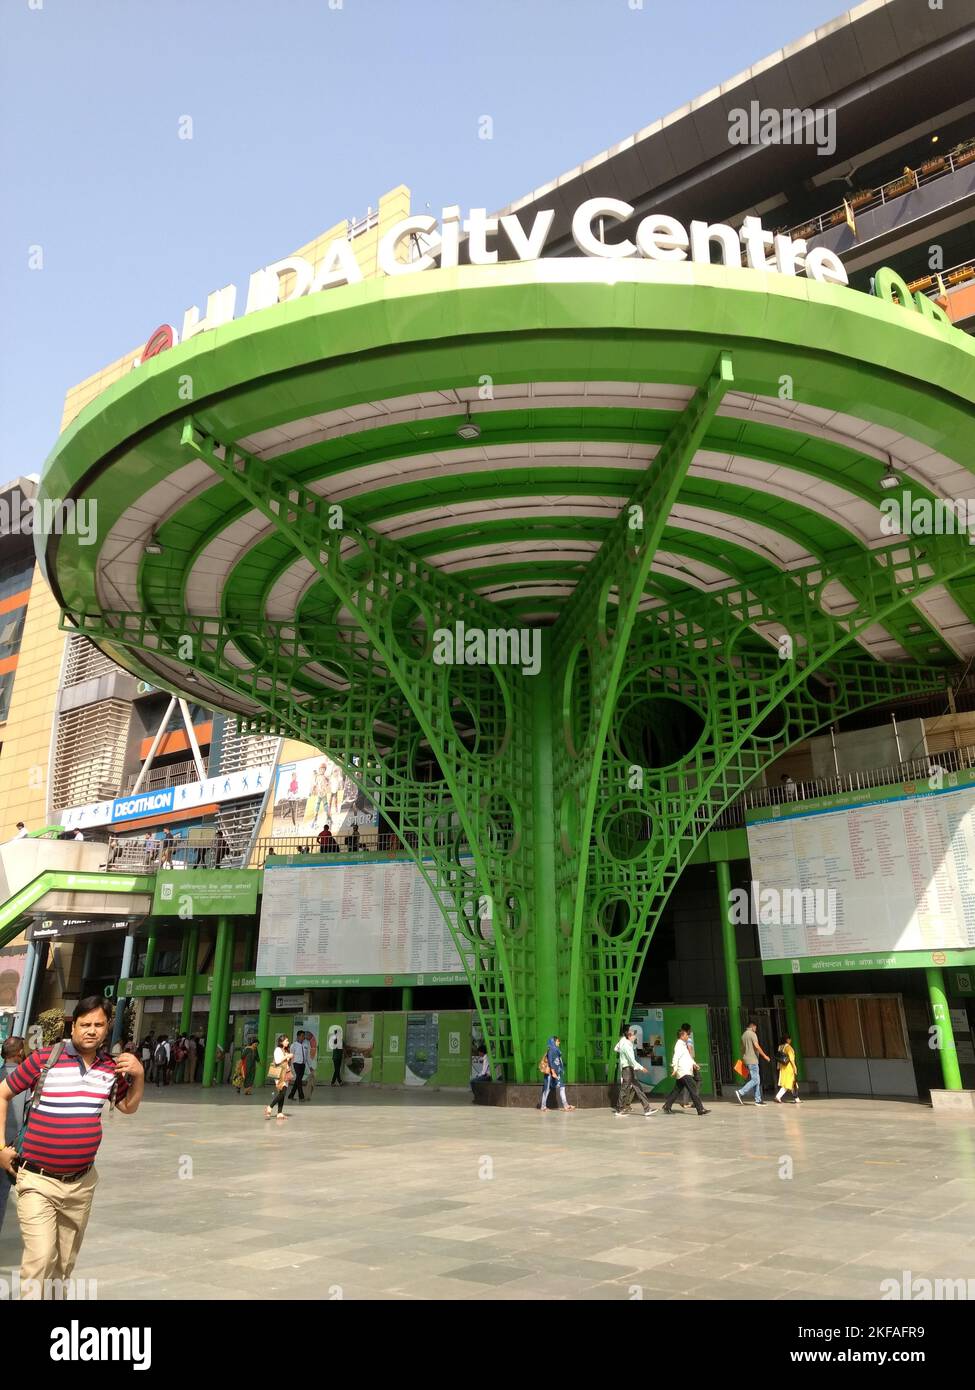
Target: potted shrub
964	153
898	186
934	166
862	196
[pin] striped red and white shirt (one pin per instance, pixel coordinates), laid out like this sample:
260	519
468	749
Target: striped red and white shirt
65	1127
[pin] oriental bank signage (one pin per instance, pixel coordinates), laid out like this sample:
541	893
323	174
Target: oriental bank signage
423	242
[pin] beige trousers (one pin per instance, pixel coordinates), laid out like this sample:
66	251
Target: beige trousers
53	1216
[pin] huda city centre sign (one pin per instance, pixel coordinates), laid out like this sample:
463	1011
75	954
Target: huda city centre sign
431	243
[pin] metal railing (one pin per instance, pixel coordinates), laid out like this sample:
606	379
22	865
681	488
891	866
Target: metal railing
135	856
913	769
175	775
370	842
938	166
141	857
943	281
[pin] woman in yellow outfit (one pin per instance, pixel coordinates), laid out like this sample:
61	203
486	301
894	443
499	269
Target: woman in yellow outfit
788	1072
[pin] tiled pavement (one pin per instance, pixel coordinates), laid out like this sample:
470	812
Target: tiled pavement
385	1194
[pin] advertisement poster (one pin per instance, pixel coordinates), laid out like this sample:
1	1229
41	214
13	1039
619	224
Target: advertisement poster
427	1049
12	961
363	1048
657	1028
315	792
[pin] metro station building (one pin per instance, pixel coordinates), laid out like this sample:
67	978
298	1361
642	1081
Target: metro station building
615	550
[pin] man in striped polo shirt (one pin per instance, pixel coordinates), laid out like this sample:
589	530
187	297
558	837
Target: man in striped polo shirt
55	1171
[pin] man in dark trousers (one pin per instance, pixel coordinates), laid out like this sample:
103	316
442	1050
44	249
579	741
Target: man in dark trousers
335	1046
685	1070
299	1060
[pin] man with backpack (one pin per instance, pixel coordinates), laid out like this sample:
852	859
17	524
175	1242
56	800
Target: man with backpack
53	1161
160	1062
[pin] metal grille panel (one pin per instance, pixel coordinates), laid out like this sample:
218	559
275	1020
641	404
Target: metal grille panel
90	753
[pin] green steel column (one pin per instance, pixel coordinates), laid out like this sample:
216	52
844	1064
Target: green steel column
792	1017
263	1027
950	1069
224	946
184	953
223	1012
546	924
730	945
191	944
150	964
407	1000
339	1000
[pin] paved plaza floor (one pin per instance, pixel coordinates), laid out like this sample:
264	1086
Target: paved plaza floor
392	1195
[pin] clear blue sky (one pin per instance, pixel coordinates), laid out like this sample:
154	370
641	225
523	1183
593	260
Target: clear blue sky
302	115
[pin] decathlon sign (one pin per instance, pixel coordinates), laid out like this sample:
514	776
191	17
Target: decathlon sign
230	786
423	242
145	804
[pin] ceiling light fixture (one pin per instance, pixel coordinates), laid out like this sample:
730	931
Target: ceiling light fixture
890	478
153	547
469	429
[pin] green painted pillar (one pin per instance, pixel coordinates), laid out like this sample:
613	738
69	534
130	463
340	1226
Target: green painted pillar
407	1000
791	1018
184	951
950	1070
263	1029
150	964
224	945
339	1000
191	945
545	905
730	947
223	1012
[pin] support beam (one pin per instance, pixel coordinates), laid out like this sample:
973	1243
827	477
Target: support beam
128	950
224	943
263	1027
942	1036
191	945
543	848
729	947
792	1018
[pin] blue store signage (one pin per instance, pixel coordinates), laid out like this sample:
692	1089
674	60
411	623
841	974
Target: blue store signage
144	804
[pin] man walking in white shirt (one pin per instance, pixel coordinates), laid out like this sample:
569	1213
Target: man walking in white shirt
299	1060
684	1068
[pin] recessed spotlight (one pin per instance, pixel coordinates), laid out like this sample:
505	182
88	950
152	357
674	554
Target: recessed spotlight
890	478
469	429
934	139
153	546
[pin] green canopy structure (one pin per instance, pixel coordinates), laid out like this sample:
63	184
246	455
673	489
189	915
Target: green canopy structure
554	558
